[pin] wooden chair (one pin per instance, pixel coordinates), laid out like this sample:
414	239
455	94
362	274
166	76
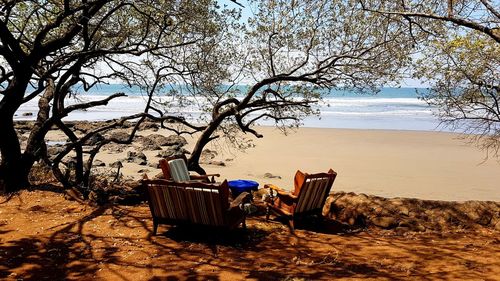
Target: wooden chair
167	171
308	197
198	203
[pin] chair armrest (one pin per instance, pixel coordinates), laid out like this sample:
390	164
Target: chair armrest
209	177
279	191
198	177
205	176
286	197
273	187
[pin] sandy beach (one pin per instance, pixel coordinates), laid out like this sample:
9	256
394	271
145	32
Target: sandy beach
363	237
414	164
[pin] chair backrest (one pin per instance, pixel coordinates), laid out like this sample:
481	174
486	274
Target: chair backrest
312	190
166	201
207	203
165	168
196	202
178	170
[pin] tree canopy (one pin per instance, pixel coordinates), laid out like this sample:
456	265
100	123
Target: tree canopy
55	45
288	55
459	43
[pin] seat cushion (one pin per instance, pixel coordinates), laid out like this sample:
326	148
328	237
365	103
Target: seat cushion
178	170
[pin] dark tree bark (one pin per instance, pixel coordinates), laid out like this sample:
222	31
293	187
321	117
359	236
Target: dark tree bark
13	168
35	146
203	140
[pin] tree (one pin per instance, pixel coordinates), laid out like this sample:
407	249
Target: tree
53	46
289	55
460	58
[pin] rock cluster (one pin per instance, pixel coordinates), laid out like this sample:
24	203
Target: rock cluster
147	143
136	157
406	214
119	134
149	125
208	156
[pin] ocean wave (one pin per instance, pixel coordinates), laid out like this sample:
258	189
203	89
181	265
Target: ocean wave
379	113
373	101
368	112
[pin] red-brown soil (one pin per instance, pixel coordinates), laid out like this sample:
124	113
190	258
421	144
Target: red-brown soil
43	236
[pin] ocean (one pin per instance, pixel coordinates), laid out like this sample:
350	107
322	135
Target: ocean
390	109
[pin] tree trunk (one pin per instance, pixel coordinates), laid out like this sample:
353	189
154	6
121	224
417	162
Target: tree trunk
203	140
13	171
35	146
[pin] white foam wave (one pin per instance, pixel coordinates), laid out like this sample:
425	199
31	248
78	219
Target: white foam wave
381	113
336	112
348	102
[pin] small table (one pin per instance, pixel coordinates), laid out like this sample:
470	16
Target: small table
239	186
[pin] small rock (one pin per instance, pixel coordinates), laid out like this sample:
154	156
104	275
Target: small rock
403	210
166	153
419	227
485	218
155	165
149	125
402	230
140	161
207	155
121	135
175	140
94	139
53	150
160	140
133	154
83	127
99	163
116	164
149	144
170	152
69	161
215	163
115	147
271	176
384	222
411	224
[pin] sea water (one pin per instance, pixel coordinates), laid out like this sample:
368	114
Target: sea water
390	108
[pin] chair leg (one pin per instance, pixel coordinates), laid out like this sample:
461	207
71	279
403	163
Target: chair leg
155	227
291	224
